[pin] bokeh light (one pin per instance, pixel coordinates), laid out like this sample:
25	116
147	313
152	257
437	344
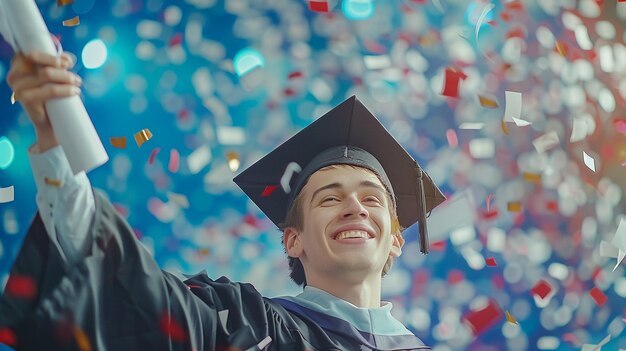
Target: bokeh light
94	54
247	60
7	152
358	9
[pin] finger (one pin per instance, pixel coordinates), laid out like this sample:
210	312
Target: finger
67	60
56	75
47	92
19	66
41	58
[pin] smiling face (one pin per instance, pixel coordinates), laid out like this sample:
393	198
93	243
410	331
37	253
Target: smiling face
346	228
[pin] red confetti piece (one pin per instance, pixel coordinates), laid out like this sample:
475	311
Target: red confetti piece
153	154
552	206
452	80
7	337
438	245
318	6
269	190
21	286
518	32
571	338
453	140
491	262
620	125
455	276
289	92
176	40
296	74
489	214
542	289
172	329
483	319
174	161
598	296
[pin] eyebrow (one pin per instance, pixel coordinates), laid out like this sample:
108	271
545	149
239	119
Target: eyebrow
365	183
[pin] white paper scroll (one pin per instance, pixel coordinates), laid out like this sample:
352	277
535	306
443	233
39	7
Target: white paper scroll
23	27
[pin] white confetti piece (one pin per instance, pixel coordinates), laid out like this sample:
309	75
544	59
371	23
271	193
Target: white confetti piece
178	199
620	258
482	148
619	240
546	142
598	347
579	130
227	135
513	108
589	161
263	344
199	158
377	62
456	212
7	194
286	178
607	249
472	125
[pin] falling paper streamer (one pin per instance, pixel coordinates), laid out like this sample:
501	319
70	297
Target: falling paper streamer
71	22
57	183
118	142
286	178
510	318
143	136
598	347
7	194
589	161
546	142
487	102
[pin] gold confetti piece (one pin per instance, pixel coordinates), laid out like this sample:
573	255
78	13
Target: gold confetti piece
180	199
143	136
505	128
13	99
532	177
71	22
561	48
233	161
487	102
7	194
82	339
514	206
64	2
57	183
118	142
509	318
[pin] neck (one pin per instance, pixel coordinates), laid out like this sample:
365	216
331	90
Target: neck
363	293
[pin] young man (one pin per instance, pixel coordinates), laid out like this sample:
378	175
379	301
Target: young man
342	189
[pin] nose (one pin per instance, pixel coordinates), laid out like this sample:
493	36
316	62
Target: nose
354	208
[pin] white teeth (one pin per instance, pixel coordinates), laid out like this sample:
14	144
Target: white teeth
352	234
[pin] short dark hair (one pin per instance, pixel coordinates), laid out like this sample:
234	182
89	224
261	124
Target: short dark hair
295	219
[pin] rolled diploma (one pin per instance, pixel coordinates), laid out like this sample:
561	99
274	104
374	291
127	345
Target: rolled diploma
68	116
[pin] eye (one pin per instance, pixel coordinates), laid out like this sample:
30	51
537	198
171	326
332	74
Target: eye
372	199
329	199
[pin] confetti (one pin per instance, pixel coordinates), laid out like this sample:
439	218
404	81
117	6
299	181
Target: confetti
598	347
438	245
453	140
487	102
452	81
514	206
318	6
620	126
7	194
178	199
472	125
561	48
57	183
264	342
143	136
64	2
233	161
269	189
505	128
589	161
82	339
13	100
542	289
482	148
377	62
598	296
199	158
546	142
174	163
579	130
21	286
531	177
8	337
490	261
118	142
287	175
510	318
619	241
482	319
71	22
153	154
172	330
295	74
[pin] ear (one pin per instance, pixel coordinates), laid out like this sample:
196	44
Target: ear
291	240
397	242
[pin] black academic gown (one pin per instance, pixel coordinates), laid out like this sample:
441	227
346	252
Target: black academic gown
117	298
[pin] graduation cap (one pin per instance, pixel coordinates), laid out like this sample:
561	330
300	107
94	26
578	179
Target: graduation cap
348	134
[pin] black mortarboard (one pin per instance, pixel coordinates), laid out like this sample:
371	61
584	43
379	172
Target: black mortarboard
348	134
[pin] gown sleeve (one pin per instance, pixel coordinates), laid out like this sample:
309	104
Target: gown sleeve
117	298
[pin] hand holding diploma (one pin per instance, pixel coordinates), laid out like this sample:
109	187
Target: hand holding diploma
47	91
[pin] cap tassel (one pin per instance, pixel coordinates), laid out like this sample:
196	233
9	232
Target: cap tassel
423	230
